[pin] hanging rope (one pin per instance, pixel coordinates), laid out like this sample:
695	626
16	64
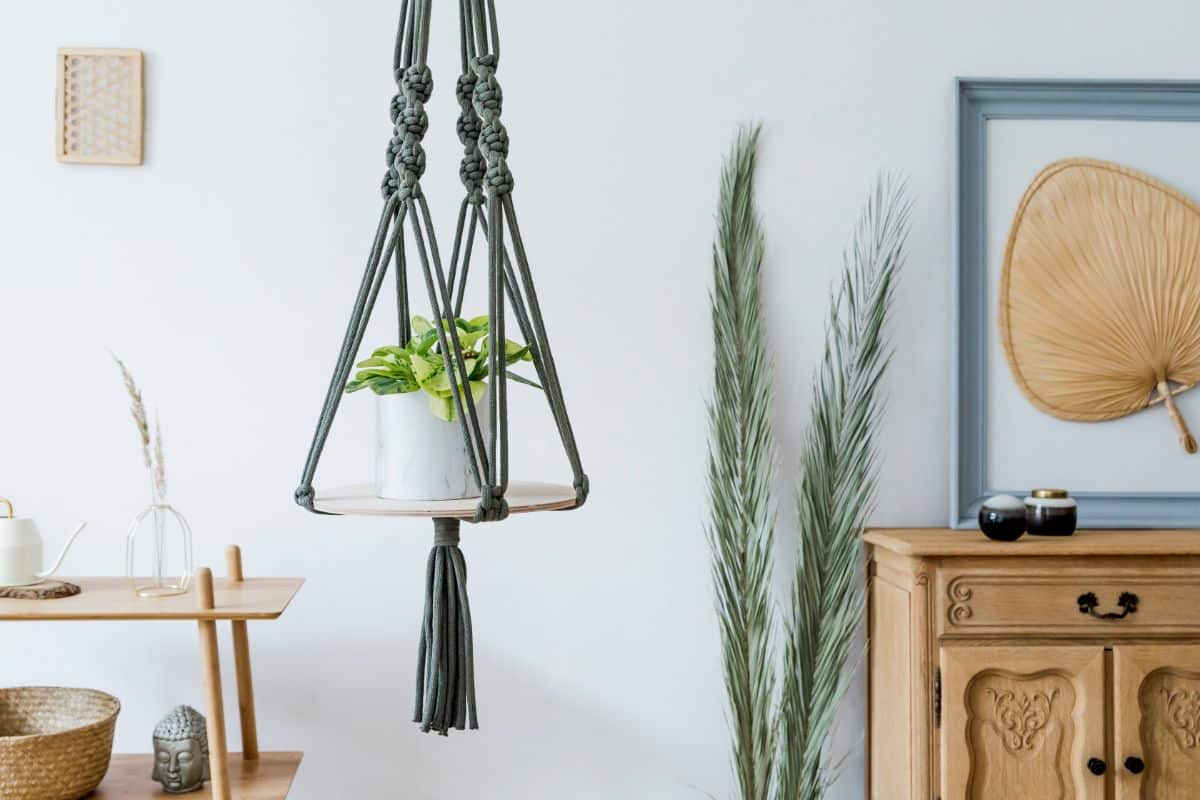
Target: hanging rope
445	695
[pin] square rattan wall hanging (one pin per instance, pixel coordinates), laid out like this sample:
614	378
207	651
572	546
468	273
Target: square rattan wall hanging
99	106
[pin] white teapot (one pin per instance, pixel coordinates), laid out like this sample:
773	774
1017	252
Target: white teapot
21	549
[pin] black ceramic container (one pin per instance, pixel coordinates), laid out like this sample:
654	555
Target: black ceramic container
1002	518
1050	512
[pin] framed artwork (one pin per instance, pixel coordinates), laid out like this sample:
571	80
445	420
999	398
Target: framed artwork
99	106
1128	472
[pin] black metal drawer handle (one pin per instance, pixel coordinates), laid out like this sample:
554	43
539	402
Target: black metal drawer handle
1128	601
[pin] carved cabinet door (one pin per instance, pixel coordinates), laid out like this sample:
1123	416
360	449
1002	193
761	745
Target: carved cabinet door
1156	715
1023	723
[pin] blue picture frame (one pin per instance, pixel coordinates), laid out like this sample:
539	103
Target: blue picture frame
980	100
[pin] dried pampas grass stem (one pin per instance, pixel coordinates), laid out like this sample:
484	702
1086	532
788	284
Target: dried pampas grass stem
152	447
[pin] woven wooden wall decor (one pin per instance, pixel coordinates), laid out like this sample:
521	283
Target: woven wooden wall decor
99	106
1100	293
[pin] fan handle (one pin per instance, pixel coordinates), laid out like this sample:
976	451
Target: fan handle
1185	436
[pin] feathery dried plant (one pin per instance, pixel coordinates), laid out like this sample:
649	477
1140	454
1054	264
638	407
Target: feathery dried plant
782	751
741	465
152	446
837	492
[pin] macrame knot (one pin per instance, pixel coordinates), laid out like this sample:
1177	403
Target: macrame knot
304	497
465	89
492	505
472	171
391	183
582	487
469	127
499	178
395	145
412	119
397	107
417	80
493	139
410	161
488	96
484	65
445	532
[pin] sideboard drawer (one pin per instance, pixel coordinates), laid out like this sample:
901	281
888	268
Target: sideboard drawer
1064	599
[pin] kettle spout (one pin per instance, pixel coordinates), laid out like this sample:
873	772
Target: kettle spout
63	554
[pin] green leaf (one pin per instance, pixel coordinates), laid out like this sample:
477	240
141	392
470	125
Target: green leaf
423	343
512	376
376	361
425	368
442	407
467	339
477	390
421	325
478	323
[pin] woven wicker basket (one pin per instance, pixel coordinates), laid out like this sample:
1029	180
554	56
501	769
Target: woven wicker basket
55	744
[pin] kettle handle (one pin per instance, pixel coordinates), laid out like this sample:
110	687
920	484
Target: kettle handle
7	502
63	554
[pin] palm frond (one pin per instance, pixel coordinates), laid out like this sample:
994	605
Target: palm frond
836	493
741	463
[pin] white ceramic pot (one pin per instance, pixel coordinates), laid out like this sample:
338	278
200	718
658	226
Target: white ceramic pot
417	455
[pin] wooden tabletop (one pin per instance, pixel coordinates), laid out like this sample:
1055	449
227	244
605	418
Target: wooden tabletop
522	497
113	599
269	777
948	542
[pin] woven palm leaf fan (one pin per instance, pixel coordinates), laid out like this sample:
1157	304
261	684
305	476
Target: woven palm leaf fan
1100	293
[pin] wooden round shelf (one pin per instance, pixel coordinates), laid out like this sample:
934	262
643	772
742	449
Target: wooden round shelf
522	496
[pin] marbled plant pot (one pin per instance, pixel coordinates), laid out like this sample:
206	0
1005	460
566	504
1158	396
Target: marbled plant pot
417	455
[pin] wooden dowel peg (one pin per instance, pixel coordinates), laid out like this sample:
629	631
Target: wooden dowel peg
241	659
210	664
1185	436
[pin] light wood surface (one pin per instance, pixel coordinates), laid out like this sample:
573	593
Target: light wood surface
1022	722
522	497
1041	598
948	542
953	609
241	659
99	106
1156	693
268	777
210	667
113	599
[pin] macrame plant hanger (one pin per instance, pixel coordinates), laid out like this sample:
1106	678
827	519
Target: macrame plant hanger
445	690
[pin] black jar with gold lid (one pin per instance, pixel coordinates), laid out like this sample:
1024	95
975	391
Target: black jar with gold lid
1050	512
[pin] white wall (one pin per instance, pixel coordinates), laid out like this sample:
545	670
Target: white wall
222	271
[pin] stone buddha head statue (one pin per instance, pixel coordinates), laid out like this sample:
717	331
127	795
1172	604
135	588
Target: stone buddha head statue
181	751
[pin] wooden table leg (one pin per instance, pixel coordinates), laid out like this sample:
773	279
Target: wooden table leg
218	751
241	658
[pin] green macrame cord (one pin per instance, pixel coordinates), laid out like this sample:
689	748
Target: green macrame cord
445	695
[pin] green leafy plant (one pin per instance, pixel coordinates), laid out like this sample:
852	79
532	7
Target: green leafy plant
781	750
421	366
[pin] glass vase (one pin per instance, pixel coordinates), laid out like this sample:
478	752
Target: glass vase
161	532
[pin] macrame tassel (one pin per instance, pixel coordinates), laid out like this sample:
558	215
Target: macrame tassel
445	659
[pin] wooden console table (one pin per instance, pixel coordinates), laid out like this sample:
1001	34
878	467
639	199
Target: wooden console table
249	775
1041	668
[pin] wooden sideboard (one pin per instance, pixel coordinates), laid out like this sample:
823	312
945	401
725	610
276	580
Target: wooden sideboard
1041	669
